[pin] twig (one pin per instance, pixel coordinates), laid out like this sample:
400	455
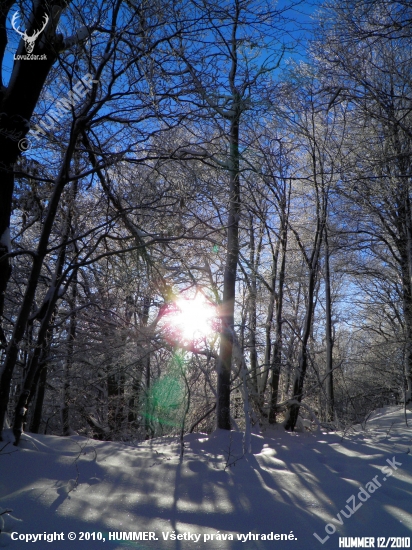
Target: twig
193	426
76	481
388	432
363	423
10	453
229	454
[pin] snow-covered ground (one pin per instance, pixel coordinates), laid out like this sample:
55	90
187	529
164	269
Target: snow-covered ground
292	485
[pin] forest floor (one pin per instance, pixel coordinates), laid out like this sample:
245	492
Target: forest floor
357	484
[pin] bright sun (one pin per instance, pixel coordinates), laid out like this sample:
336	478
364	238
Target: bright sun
191	320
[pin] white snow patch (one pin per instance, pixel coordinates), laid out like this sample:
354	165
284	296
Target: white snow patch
290	482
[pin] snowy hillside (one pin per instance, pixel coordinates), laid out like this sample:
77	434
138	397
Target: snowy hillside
292	486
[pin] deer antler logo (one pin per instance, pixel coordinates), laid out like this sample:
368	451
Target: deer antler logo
29	41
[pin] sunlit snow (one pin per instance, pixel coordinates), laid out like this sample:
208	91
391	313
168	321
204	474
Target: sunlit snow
292	482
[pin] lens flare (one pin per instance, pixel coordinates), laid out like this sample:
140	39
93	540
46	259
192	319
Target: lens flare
190	321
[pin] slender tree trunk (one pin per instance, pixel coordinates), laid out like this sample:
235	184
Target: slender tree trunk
65	403
291	344
303	356
38	388
44	332
408	292
148	426
145	369
22	403
312	263
268	326
330	405
252	308
277	346
37	263
407	314
133	404
38	404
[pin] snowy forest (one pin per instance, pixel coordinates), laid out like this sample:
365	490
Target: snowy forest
205	215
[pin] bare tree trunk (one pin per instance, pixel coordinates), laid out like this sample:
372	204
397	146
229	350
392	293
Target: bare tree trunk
38	258
330	405
38	404
268	327
291	344
38	388
312	262
17	103
303	355
65	403
407	312
229	283
148	426
408	292
277	345
252	307
44	332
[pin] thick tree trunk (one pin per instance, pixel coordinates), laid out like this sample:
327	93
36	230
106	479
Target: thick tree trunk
6	194
229	283
17	104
